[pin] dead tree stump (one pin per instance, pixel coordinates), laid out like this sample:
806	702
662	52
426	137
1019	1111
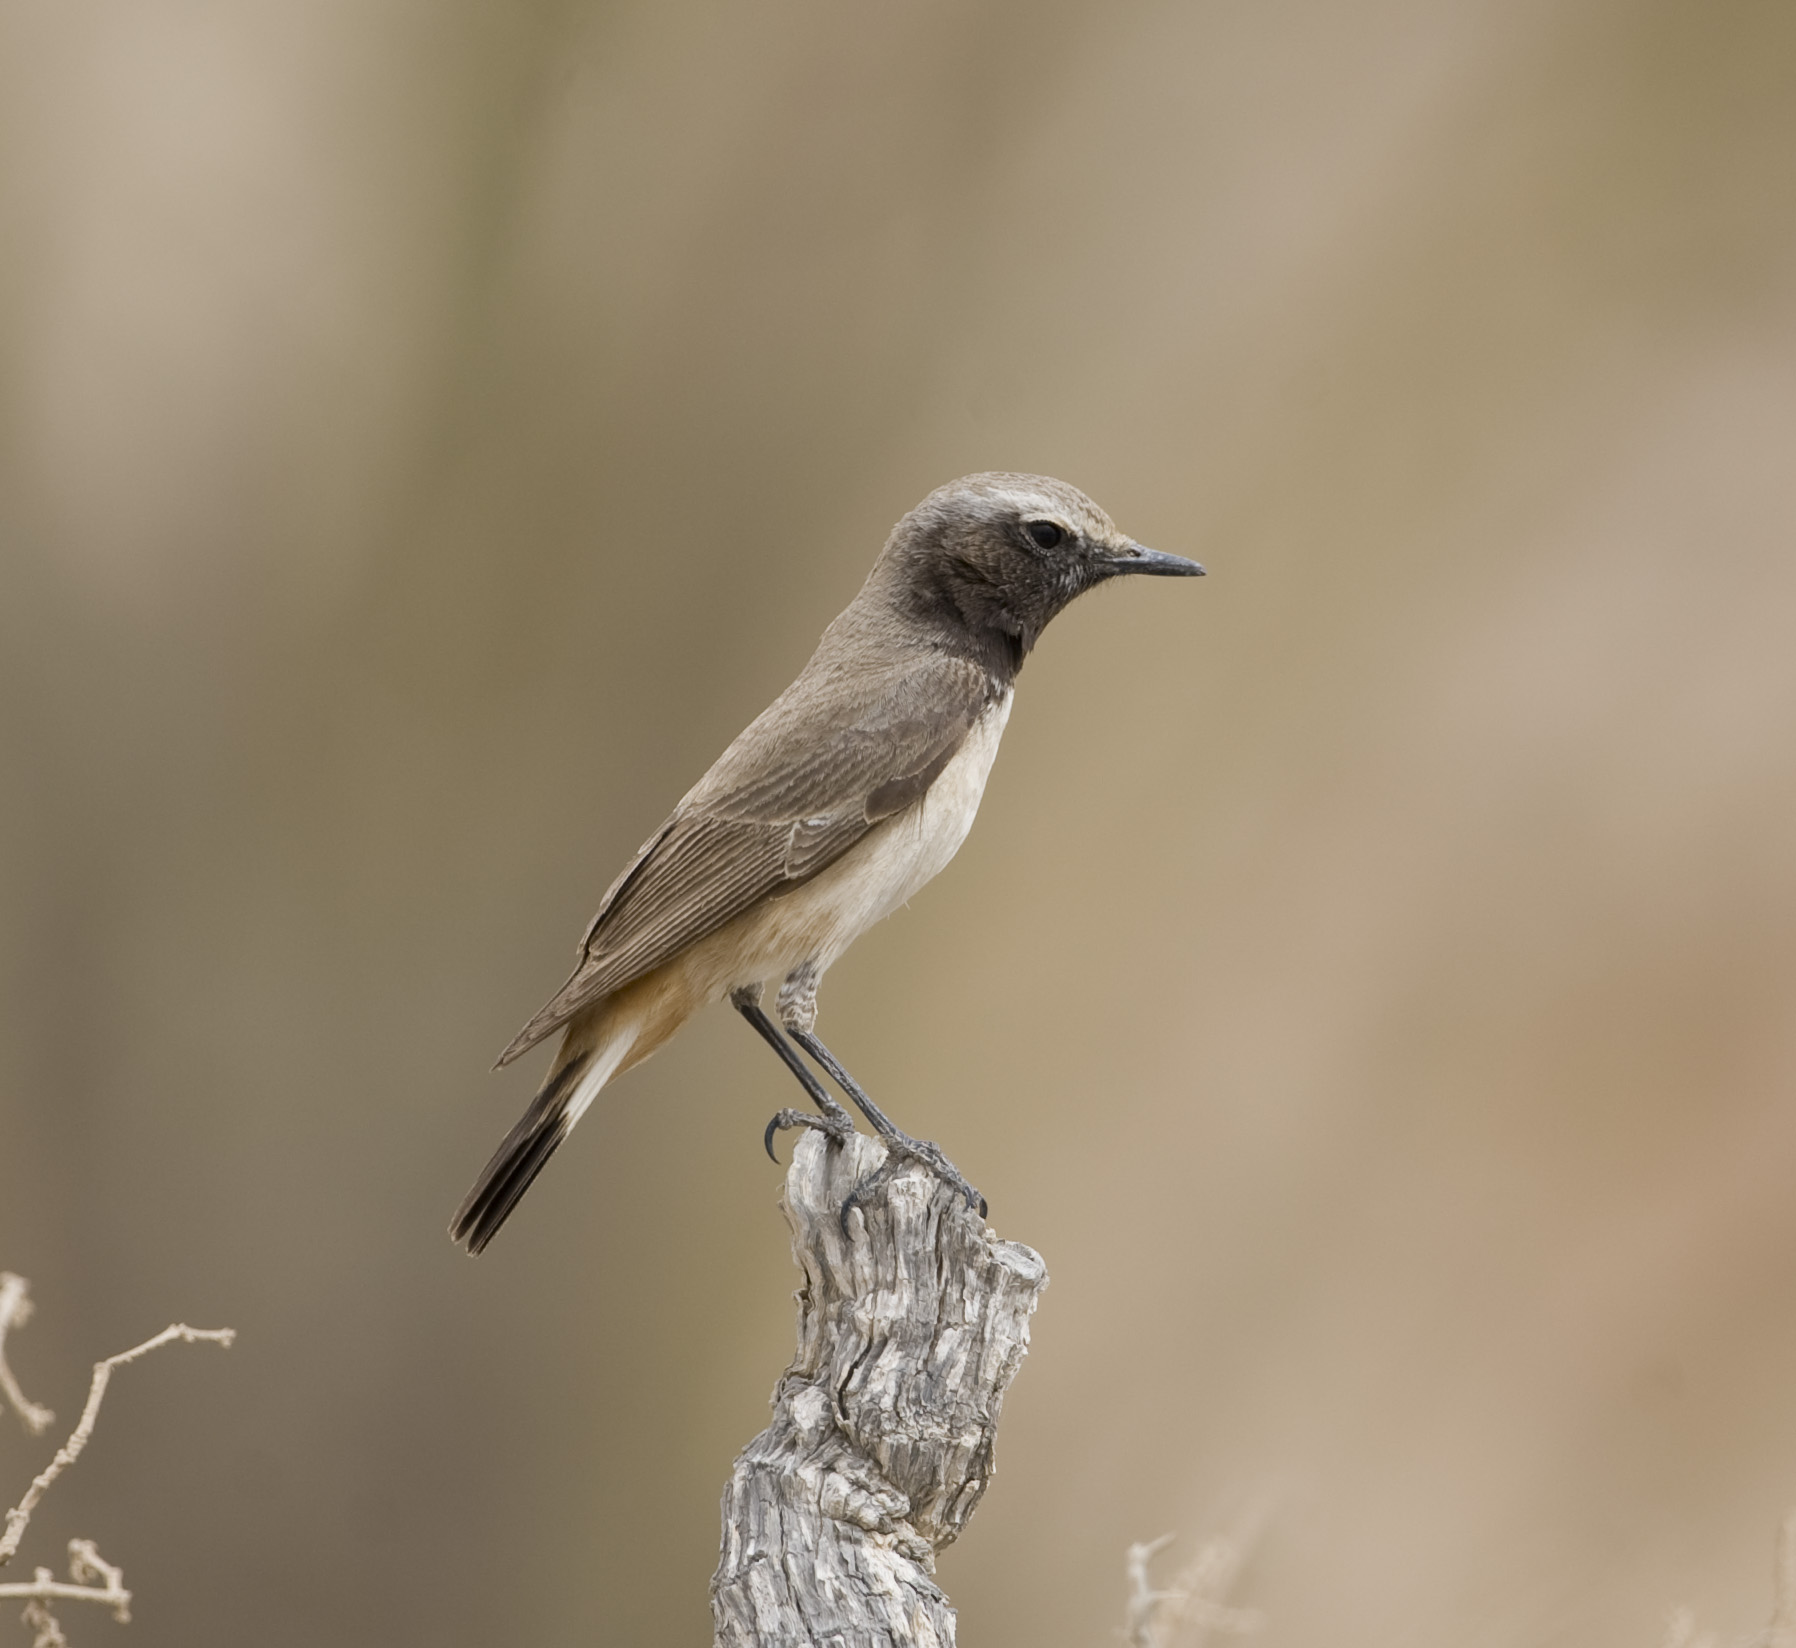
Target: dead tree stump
910	1330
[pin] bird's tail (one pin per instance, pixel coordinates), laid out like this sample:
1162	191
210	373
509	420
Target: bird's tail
580	1070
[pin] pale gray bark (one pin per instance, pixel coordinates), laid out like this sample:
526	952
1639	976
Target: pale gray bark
910	1330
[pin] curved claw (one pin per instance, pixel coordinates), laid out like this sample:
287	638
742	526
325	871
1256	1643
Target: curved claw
837	1128
857	1196
970	1195
931	1156
853	1200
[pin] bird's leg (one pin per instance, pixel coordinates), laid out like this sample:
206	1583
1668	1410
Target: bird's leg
835	1121
803	995
798	998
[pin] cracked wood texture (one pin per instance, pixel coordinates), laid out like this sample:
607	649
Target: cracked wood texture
910	1330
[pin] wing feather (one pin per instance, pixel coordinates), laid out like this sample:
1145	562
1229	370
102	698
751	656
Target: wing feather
805	782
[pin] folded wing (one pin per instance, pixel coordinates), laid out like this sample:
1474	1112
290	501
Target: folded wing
824	763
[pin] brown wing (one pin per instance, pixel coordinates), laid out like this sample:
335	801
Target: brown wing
828	759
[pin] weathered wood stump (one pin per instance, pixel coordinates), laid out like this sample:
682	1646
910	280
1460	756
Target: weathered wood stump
910	1330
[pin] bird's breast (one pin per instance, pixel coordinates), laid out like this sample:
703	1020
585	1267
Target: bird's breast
902	853
934	826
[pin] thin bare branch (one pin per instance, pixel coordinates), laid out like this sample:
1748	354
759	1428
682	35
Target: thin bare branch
1680	1631
91	1579
1781	1632
46	1632
70	1451
15	1312
1146	1605
1196	1603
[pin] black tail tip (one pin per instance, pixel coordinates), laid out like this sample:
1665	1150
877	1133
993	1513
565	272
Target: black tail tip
515	1164
467	1234
501	1186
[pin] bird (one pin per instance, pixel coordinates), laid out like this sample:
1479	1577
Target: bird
853	789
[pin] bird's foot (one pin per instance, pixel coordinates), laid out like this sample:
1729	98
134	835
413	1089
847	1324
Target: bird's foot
837	1126
900	1148
899	1145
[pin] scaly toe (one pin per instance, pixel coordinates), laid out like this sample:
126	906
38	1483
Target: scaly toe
900	1146
931	1155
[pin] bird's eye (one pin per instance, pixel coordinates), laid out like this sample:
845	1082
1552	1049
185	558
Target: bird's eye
1047	534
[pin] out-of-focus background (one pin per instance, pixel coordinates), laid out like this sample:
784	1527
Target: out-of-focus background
429	432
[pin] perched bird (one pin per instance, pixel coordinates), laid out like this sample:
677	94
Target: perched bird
848	793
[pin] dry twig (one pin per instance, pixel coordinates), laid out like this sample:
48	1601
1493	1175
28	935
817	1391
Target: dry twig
1781	1632
46	1632
1196	1603
15	1312
70	1451
91	1577
1680	1629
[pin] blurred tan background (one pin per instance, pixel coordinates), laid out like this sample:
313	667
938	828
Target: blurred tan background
429	432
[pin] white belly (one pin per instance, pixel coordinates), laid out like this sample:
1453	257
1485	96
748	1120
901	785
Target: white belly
819	919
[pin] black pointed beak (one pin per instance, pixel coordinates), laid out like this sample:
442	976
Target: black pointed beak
1153	562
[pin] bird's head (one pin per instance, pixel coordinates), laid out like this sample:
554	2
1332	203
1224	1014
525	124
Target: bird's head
1002	554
